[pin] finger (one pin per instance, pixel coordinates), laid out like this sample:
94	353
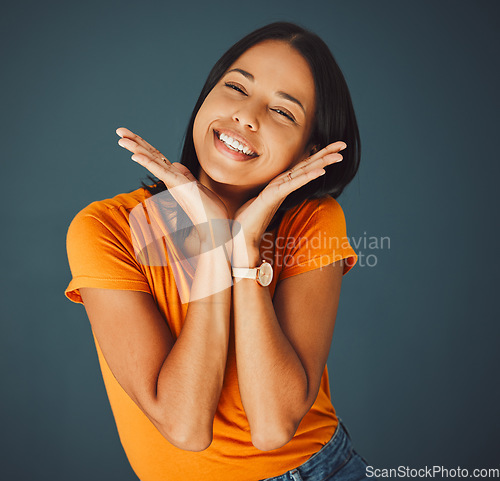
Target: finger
299	169
298	180
330	149
123	132
165	172
321	162
135	148
277	192
128	134
318	161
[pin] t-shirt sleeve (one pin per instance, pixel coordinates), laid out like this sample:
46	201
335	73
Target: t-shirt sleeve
316	239
101	255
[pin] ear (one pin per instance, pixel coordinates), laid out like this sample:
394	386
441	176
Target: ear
309	150
313	150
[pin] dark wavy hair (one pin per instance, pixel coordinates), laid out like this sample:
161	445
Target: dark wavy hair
334	116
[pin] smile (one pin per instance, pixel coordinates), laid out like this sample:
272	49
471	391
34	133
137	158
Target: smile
234	145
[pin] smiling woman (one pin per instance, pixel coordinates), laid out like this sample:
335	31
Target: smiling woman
265	102
213	349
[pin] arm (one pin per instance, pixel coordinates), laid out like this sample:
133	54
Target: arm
176	384
282	348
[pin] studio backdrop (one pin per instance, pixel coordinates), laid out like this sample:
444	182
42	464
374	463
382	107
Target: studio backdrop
414	361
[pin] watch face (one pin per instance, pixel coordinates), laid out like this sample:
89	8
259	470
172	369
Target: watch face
265	274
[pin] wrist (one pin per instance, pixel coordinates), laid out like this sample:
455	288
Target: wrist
245	257
245	253
262	274
214	233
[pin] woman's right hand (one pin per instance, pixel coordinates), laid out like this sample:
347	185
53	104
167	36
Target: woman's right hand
198	202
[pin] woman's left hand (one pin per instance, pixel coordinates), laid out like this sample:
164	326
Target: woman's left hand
254	216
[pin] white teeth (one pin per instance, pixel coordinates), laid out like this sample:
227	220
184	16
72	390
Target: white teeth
234	144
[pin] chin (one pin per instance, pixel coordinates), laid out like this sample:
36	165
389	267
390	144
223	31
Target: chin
221	175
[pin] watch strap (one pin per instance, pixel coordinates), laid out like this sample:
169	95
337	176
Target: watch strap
245	272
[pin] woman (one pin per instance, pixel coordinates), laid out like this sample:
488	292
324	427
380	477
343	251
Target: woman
214	360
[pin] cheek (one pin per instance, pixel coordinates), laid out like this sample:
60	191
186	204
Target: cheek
213	107
210	110
287	149
201	125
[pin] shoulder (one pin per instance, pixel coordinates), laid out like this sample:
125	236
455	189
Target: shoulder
112	212
123	203
100	249
325	212
312	235
104	223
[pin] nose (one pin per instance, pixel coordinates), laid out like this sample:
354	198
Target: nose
246	116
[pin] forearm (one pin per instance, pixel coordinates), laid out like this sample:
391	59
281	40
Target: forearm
272	380
191	378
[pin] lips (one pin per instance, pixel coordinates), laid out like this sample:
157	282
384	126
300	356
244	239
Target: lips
232	142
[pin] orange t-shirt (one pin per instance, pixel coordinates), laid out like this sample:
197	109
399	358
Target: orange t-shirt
101	254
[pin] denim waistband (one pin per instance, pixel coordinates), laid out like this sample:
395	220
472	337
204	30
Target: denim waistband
326	462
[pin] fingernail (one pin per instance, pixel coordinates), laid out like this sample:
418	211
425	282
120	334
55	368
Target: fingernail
344	147
332	157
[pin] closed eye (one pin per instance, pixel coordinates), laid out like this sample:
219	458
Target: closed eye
284	114
234	87
239	89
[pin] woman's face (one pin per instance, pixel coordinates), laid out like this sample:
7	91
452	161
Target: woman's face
256	121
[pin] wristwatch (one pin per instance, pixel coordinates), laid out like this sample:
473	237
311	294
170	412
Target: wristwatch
262	274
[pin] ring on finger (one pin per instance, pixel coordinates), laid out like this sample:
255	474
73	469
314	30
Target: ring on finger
164	159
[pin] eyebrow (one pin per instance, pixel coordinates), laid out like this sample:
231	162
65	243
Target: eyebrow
281	94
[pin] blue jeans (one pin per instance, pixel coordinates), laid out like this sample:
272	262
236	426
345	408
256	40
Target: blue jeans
336	461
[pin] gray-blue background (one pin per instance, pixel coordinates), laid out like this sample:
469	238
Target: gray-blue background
414	361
